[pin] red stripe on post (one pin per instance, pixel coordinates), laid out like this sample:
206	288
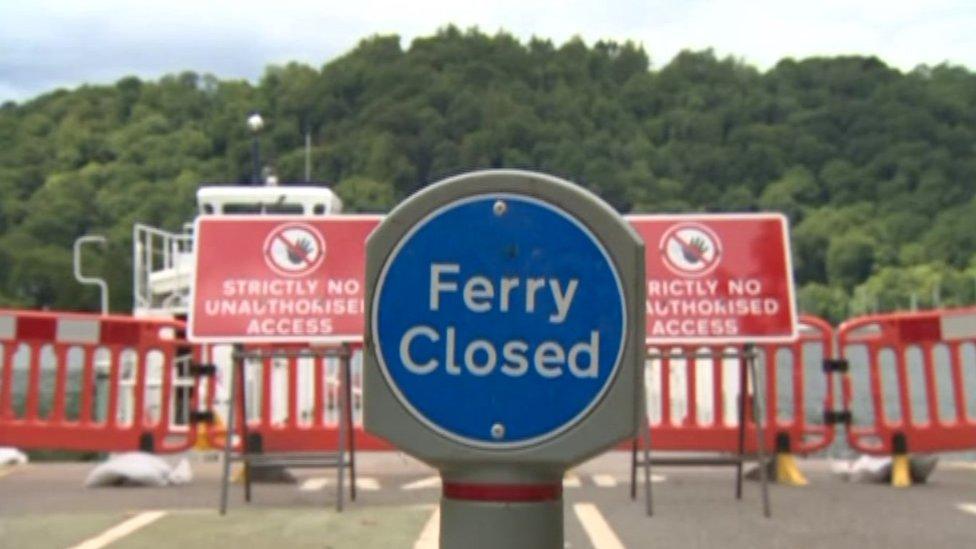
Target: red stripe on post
513	493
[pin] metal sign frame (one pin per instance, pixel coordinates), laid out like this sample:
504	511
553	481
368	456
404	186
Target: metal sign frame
256	459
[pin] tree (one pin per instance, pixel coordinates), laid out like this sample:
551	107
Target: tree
791	194
850	258
952	237
828	302
873	167
361	194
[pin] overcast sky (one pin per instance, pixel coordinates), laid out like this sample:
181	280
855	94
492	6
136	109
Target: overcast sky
45	44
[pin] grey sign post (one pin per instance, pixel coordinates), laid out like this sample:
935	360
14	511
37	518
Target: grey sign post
505	335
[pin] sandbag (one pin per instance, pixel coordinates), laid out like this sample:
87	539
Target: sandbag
871	469
877	469
181	474
12	456
138	469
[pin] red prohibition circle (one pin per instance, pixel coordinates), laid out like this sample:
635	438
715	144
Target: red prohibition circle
287	249
682	256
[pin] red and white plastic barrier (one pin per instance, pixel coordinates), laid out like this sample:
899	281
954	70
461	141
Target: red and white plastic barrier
94	383
692	394
113	383
293	403
912	381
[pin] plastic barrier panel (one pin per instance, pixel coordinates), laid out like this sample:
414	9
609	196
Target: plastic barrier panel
96	383
693	390
912	382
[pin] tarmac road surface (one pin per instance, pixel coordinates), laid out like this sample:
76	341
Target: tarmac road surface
45	505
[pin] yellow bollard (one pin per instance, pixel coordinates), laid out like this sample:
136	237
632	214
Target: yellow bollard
901	474
901	470
787	471
237	476
203	442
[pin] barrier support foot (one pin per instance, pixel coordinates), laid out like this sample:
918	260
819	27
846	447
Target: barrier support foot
901	475
203	442
787	471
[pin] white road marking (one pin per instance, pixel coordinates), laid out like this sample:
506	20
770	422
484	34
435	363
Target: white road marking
314	484
7	469
967	508
430	535
604	481
120	530
571	481
368	484
654	478
596	527
429	482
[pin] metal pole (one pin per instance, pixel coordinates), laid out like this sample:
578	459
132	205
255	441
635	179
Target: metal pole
644	438
633	468
256	159
742	424
646	443
245	437
761	441
308	155
473	519
90	280
229	434
255	124
351	432
136	268
341	445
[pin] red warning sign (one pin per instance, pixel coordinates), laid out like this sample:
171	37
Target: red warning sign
277	278
717	278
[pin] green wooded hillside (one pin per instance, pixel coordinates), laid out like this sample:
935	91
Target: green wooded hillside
875	167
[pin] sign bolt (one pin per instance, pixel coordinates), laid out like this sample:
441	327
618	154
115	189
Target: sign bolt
499	209
497	431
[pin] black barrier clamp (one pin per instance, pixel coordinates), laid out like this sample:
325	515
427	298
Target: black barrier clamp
147	443
783	443
836	365
832	417
899	444
255	443
202	416
203	370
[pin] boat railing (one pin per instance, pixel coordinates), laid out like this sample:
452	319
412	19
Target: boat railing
162	269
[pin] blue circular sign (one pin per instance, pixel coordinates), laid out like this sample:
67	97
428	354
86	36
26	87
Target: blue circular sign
499	320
